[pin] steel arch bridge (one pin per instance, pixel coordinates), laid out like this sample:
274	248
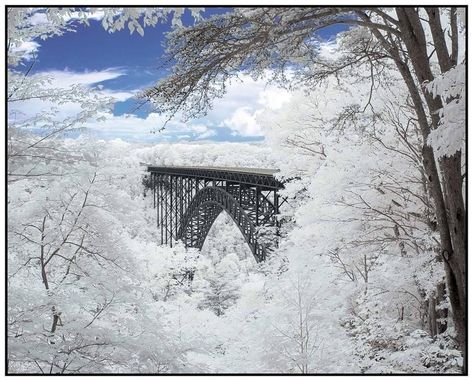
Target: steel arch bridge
189	199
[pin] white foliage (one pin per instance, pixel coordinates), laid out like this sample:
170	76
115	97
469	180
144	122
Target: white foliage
449	137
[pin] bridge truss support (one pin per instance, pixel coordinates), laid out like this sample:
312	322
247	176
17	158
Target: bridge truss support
189	199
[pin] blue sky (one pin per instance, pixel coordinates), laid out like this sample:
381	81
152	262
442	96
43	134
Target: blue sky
124	63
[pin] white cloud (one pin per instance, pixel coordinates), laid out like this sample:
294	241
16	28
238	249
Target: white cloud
243	122
66	78
27	50
238	110
329	50
96	14
207	134
199	128
244	100
63	80
40	17
131	127
120	96
274	98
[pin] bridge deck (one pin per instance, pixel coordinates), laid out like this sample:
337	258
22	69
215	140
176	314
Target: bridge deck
256	171
251	176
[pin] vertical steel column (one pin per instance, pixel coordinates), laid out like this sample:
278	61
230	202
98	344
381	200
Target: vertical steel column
158	198
153	184
195	186
170	209
189	192
161	206
239	202
186	207
191	197
178	201
176	206
257	204
276	202
183	203
156	187
166	218
184	195
276	212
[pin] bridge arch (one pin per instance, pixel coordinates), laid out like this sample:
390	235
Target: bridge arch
202	212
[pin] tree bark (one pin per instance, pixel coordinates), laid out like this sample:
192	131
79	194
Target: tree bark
455	259
449	205
432	315
442	312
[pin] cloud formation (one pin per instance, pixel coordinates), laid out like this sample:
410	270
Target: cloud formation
244	101
27	50
132	128
23	110
234	115
66	78
243	122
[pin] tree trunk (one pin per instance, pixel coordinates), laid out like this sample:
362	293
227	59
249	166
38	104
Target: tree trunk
432	315
449	206
442	312
455	259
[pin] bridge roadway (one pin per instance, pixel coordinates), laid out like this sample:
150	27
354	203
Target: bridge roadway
258	171
262	177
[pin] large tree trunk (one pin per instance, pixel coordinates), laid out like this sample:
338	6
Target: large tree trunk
449	205
455	260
